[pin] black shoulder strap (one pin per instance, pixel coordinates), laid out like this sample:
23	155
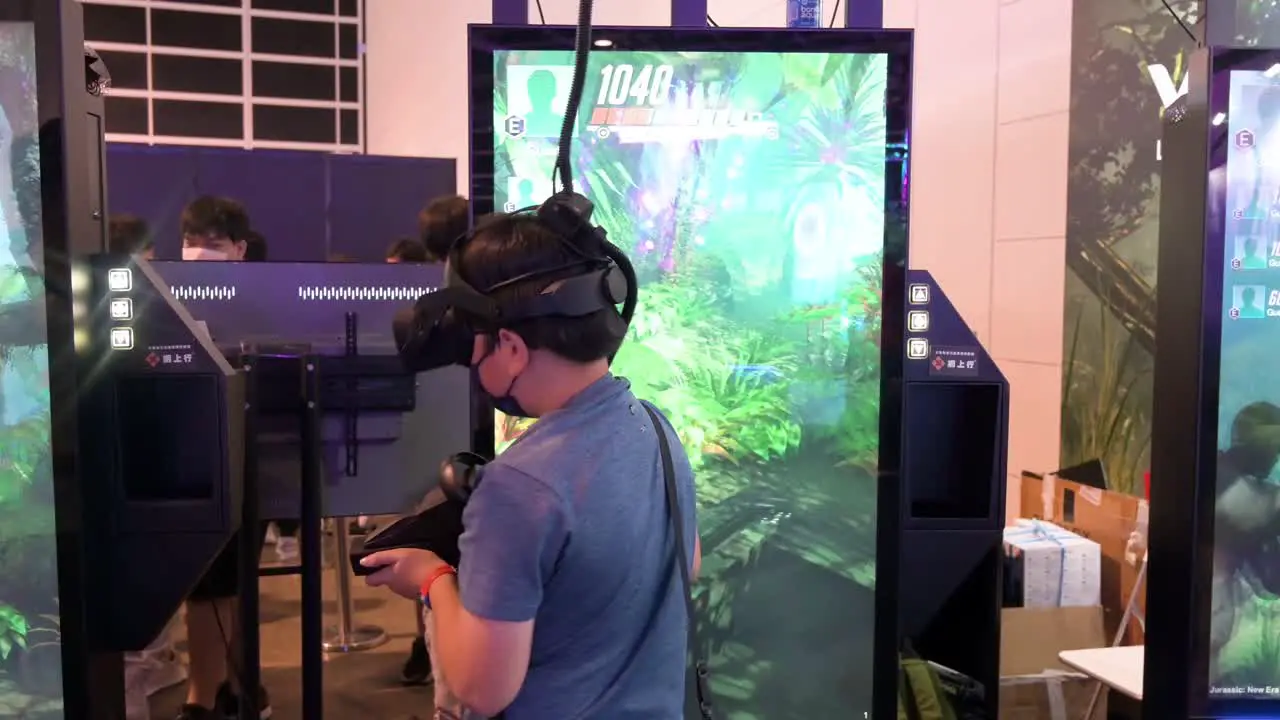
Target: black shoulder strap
682	561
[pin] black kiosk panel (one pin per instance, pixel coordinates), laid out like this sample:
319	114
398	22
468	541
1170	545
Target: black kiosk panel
1215	489
161	417
951	507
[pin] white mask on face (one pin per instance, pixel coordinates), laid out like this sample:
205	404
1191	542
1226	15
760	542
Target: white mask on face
199	253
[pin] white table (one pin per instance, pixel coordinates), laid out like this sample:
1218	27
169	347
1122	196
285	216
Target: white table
1116	667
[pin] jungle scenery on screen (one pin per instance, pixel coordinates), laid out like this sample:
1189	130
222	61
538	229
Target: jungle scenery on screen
749	191
30	632
1244	633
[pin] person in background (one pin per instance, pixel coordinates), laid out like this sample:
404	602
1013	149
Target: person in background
216	229
255	247
567	602
406	250
441	223
130	235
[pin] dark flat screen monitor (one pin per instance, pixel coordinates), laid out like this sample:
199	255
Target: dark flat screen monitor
757	182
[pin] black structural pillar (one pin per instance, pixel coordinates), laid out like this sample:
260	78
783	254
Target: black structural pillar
864	14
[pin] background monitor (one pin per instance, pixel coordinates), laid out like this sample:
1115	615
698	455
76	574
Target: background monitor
1244	659
751	179
1215	485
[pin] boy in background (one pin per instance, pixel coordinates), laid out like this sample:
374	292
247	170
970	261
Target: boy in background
440	224
406	250
130	235
216	229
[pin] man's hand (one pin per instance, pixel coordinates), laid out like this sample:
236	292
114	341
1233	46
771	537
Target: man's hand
403	570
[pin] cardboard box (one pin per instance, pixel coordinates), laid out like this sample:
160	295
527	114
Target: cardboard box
1050	566
1110	519
1034	684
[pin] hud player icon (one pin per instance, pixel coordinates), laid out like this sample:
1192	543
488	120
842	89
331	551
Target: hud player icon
1250	253
537	95
1248	301
525	192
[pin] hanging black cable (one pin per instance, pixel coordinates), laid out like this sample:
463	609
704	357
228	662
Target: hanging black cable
581	51
835	13
542	18
1178	19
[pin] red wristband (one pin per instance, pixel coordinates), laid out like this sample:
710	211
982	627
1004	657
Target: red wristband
425	588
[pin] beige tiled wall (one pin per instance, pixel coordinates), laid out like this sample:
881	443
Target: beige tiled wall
989	190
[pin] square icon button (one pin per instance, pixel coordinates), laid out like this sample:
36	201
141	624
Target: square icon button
120	279
122	309
919	295
917	348
918	321
121	338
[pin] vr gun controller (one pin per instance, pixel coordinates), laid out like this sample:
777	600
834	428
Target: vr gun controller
437	525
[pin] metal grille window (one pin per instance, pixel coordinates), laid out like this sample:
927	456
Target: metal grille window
273	74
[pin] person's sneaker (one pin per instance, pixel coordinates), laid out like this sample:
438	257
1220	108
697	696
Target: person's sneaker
417	669
229	703
287	549
195	712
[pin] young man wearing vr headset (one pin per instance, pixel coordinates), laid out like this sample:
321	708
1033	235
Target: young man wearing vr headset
566	603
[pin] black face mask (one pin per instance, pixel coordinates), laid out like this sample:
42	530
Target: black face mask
506	403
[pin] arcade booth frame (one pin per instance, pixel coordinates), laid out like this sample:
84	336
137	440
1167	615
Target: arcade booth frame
953	615
1200	449
64	222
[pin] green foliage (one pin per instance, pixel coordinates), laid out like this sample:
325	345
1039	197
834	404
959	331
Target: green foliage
13	630
23	447
1105	397
687	359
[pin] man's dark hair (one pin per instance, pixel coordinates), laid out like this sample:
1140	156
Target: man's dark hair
255	247
441	223
407	250
211	216
508	246
128	235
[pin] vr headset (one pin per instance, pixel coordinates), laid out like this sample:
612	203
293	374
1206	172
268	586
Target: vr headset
439	330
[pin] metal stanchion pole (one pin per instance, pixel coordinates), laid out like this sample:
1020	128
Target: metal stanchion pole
250	659
347	637
311	511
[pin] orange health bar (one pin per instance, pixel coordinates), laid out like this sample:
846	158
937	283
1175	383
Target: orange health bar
622	116
639	116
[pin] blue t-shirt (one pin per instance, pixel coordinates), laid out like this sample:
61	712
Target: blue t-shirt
569	527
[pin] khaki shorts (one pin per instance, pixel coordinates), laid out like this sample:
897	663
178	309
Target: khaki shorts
448	707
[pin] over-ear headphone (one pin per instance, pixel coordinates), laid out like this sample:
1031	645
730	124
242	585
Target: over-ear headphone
460	475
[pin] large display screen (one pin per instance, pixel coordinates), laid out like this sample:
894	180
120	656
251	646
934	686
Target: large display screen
30	633
750	191
1244	633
